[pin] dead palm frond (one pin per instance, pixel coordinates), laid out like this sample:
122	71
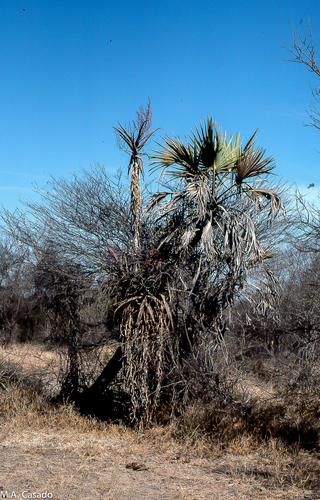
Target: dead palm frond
145	330
251	164
258	195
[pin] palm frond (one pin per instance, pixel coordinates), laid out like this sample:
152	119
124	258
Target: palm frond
205	151
126	136
227	153
208	143
251	142
189	235
207	244
186	157
240	237
135	144
167	308
156	199
215	152
259	194
141	143
233	146
170	205
126	302
252	164
145	307
169	237
198	191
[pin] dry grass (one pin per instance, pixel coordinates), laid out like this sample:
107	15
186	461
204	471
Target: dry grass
46	367
54	448
32	363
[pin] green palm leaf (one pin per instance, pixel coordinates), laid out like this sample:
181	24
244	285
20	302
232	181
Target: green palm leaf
216	153
206	150
186	157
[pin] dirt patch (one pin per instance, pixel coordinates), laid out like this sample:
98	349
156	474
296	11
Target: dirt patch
53	449
71	465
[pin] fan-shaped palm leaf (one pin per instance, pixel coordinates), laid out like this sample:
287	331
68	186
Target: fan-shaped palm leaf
212	219
205	151
215	152
251	164
186	157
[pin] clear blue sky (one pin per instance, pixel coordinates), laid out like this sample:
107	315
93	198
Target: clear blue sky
70	70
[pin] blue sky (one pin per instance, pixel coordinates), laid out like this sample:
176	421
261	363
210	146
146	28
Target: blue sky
72	69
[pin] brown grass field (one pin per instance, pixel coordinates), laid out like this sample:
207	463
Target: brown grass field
53	449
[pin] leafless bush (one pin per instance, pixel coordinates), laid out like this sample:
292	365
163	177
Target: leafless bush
303	51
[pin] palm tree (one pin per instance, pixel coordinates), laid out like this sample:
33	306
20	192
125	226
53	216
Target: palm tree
132	141
209	216
142	309
201	235
214	174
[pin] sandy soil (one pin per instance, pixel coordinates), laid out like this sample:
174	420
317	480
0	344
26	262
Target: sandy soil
71	465
57	453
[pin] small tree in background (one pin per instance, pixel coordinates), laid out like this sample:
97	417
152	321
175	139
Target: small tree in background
16	316
303	51
66	239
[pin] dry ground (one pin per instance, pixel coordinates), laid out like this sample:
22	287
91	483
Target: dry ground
100	464
54	449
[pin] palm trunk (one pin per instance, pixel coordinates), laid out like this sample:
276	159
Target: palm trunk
135	203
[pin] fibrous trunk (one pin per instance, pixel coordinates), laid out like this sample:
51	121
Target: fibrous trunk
135	203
